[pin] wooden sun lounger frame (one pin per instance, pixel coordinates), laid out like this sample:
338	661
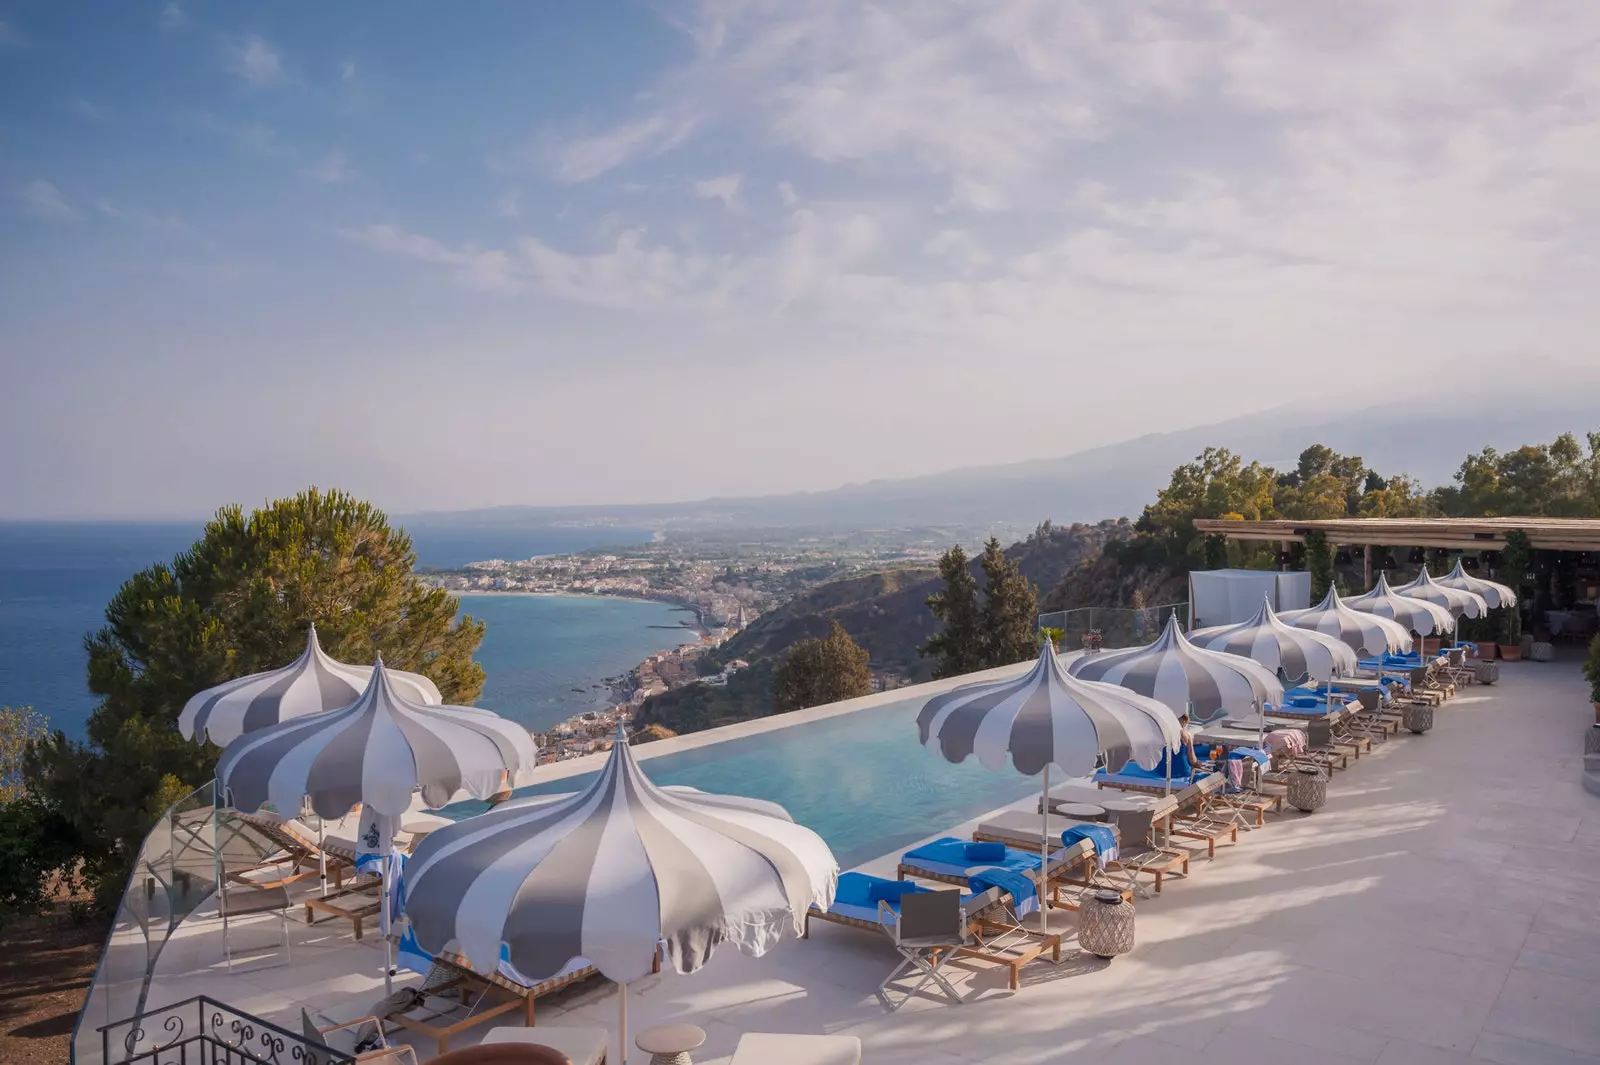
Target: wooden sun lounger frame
302	852
1012	958
451	972
353	903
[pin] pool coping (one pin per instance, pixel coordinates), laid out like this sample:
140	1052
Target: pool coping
590	763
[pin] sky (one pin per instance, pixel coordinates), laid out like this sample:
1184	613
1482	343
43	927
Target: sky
639	252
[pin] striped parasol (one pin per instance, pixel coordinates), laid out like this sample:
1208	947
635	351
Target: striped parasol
1362	632
377	751
1189	679
1455	600
1417	615
1494	593
613	873
308	685
1047	717
1266	639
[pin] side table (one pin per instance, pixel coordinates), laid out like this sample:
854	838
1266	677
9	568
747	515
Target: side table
1417	717
670	1044
1308	789
1105	924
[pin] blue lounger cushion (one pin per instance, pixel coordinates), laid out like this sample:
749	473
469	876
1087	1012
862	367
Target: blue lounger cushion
1013	883
986	852
1104	840
890	890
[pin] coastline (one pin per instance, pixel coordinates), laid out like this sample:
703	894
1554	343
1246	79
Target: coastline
624	685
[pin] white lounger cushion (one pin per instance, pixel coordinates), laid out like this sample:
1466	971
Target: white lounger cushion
1094	796
763	1048
583	1046
1023	827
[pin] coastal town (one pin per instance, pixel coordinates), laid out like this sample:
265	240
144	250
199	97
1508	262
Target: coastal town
725	579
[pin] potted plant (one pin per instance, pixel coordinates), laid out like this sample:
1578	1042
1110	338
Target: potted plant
1514	563
1591	670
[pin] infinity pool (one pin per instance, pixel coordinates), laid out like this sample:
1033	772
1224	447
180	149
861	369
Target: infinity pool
860	780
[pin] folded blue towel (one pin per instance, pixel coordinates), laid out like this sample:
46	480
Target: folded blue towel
890	891
1254	753
1180	768
946	851
1013	883
1305	702
855	889
1104	840
986	852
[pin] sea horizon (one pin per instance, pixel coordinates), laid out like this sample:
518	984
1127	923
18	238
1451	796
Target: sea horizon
57	577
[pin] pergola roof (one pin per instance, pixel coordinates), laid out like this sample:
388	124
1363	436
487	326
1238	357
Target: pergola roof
1461	534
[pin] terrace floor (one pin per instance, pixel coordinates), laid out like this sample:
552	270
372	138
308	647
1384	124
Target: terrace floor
1440	910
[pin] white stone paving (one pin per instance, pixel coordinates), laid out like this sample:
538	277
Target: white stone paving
1441	910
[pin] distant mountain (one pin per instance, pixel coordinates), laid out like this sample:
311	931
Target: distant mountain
1426	435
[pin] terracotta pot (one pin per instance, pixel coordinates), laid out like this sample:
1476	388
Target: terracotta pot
1597	713
1486	652
1430	645
1511	652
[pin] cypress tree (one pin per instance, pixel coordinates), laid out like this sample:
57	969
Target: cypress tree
1010	610
958	647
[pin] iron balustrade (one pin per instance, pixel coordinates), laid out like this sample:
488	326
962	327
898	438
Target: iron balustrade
203	1031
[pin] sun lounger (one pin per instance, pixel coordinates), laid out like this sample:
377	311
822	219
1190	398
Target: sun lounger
358	903
944	860
761	1048
1137	854
450	974
326	1039
995	933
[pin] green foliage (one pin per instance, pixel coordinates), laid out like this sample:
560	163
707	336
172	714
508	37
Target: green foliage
956	648
239	601
819	671
1319	562
1057	637
37	852
1514	563
1591	669
1558	479
20	728
1010	609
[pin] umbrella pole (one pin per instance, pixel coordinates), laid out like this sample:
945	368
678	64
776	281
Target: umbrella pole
1044	843
388	943
622	1023
322	860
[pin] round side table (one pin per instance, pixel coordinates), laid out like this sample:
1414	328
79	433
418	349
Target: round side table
1081	811
1591	739
670	1044
1308	789
1417	717
1105	924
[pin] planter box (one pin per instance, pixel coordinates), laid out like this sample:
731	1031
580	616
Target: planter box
1511	652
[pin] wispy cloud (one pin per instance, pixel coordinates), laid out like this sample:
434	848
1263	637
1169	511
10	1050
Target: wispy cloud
169	223
347	71
509	205
475	267
331	169
172	16
584	158
724	188
41	199
249	137
253	60
86	110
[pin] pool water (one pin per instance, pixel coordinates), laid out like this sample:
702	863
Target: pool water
860	780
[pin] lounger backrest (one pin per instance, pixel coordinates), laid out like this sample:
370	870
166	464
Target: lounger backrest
930	914
1133	826
1368	698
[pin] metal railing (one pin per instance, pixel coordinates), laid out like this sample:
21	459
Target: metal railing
203	1031
1111	626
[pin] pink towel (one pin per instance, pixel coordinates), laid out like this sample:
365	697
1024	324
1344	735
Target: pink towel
1236	773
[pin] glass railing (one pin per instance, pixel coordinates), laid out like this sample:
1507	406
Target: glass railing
177	871
1087	627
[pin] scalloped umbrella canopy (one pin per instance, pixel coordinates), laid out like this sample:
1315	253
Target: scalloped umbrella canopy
310	684
1188	679
1417	615
1047	717
608	875
1455	600
1362	632
1494	593
377	751
1266	639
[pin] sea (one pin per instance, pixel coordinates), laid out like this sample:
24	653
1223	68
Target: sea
543	655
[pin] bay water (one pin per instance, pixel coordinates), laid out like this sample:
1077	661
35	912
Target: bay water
542	654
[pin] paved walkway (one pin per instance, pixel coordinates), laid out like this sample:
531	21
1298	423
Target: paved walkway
1441	910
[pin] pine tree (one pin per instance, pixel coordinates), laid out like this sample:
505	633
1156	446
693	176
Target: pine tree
819	671
1010	616
958	647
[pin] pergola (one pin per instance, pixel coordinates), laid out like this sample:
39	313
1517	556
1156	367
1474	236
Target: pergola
1454	534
